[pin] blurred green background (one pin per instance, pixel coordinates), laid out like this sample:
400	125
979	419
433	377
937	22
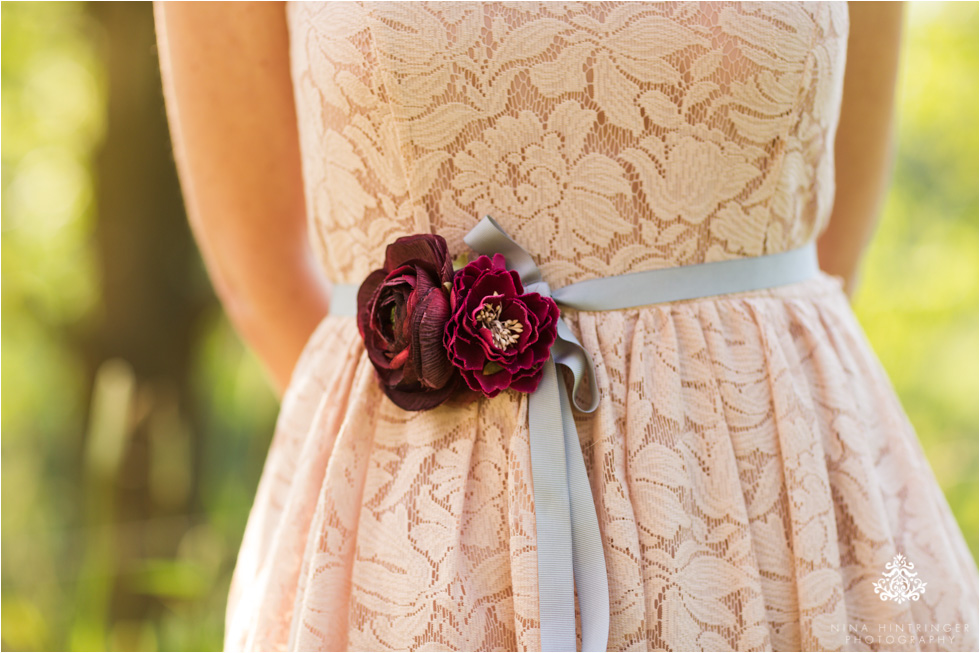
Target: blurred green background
134	423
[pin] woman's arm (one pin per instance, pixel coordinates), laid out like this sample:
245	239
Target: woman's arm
864	147
229	99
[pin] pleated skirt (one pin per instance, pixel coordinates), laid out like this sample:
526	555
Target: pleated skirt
753	471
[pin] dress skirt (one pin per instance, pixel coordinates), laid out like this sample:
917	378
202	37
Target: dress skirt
752	469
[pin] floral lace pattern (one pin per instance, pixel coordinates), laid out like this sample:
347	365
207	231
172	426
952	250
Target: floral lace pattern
752	468
615	136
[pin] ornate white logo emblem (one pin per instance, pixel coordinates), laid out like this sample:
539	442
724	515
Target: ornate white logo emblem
899	582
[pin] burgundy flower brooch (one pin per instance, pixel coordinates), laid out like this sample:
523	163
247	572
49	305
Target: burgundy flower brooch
433	326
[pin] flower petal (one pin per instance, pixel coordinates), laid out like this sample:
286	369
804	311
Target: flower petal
415	398
491	283
530	382
429	248
489	384
365	296
433	361
467	354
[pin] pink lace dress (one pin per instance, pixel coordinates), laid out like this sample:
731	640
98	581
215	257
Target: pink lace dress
752	469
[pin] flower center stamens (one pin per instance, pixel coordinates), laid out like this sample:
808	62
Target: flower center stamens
503	332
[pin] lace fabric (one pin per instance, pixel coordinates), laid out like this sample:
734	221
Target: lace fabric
614	136
752	468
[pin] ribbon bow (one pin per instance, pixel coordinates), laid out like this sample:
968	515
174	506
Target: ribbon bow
569	542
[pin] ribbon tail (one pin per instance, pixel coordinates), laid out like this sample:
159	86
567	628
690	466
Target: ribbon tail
570	553
552	510
570	550
588	559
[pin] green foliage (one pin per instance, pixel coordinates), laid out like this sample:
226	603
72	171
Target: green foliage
52	107
69	554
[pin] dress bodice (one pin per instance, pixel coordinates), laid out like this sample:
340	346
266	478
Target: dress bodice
605	137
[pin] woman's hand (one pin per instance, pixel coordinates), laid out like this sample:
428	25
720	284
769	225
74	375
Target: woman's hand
863	151
229	99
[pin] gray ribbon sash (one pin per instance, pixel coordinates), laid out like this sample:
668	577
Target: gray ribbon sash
569	542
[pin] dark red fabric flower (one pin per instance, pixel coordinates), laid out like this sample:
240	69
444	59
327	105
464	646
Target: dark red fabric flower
498	336
402	311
